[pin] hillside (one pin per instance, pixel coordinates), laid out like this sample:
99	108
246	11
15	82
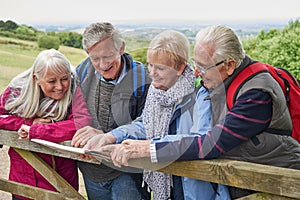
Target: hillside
18	55
279	47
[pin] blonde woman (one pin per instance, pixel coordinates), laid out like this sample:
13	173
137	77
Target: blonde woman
44	102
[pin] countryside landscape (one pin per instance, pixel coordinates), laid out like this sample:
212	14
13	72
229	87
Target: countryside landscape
275	43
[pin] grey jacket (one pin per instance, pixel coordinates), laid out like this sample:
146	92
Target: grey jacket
127	102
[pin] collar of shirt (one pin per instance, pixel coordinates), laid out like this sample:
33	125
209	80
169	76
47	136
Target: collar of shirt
118	79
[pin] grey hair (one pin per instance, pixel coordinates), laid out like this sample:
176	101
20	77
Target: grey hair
223	41
172	42
26	99
97	32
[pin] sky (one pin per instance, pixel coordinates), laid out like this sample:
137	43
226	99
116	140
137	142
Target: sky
73	11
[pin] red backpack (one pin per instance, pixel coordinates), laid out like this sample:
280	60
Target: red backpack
287	82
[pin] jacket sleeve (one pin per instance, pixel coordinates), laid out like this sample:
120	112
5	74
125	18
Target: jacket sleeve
81	114
8	121
134	130
64	130
240	124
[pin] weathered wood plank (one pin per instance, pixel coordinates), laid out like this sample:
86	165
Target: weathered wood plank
10	138
262	178
268	179
264	196
257	177
29	191
59	183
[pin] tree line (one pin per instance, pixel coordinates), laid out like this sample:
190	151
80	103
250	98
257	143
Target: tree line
44	39
278	47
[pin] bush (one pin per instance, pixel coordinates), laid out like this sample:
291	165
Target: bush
48	42
70	39
18	36
280	48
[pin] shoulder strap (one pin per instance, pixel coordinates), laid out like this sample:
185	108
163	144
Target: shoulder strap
81	70
245	75
137	78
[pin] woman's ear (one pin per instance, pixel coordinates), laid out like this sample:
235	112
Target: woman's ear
35	79
230	67
181	69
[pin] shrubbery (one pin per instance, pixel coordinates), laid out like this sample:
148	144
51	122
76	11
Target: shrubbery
48	42
23	32
280	48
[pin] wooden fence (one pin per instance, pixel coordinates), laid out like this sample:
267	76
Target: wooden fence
270	182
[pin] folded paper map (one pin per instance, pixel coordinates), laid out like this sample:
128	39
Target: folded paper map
61	147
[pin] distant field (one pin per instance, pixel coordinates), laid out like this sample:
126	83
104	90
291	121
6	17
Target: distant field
17	55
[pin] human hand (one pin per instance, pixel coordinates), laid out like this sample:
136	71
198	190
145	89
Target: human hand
23	132
121	153
42	121
96	142
83	135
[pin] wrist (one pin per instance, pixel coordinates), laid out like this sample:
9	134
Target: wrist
111	138
152	152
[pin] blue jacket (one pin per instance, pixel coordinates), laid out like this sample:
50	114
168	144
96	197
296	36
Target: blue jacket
136	130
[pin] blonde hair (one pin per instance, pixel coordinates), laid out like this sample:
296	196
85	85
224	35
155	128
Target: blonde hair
173	43
26	99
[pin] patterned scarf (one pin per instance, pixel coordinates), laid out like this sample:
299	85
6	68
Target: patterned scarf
159	108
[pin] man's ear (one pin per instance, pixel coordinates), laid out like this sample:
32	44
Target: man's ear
122	49
230	67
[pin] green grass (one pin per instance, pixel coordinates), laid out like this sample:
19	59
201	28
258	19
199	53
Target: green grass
18	55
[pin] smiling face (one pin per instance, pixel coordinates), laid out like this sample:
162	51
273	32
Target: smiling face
162	71
53	85
106	59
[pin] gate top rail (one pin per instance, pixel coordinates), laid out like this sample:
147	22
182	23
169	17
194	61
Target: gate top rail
262	178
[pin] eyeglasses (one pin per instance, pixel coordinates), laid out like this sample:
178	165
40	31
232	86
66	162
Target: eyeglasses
105	59
205	69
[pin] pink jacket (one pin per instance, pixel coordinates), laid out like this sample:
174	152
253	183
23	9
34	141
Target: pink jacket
20	170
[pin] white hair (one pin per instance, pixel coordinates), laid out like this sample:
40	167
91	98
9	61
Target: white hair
224	41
